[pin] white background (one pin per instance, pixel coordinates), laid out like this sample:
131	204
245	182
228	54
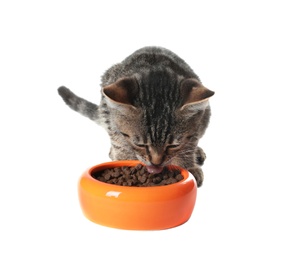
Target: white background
246	51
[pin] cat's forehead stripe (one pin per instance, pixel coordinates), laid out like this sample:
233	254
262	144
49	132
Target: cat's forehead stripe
159	130
159	98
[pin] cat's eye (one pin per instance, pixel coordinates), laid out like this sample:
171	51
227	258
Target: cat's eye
126	135
173	146
141	145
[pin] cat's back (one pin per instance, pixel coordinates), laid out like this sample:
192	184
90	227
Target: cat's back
150	58
153	57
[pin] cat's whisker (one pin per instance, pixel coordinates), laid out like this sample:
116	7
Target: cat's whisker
179	155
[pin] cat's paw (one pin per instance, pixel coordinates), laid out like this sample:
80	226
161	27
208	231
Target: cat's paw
200	156
198	174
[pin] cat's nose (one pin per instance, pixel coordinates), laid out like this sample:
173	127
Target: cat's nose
155	164
156	159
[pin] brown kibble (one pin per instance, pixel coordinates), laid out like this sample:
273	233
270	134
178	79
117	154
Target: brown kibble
107	176
138	176
157	180
170	174
172	180
179	177
115	174
165	176
142	178
139	167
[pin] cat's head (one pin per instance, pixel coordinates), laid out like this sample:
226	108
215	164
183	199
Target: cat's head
161	119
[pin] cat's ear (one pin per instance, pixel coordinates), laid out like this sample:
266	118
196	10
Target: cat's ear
194	94
121	92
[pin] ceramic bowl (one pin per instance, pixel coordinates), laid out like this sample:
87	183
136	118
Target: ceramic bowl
136	208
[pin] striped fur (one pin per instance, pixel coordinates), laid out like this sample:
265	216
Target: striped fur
154	108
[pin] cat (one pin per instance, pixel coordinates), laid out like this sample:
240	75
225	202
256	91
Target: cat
154	109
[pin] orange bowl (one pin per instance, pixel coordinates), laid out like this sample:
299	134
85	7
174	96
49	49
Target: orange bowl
136	208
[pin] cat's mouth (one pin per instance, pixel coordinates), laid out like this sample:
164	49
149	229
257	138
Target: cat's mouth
154	169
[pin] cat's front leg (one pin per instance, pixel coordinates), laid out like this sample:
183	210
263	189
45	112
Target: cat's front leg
198	174
200	156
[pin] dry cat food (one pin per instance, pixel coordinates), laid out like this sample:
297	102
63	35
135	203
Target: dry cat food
138	176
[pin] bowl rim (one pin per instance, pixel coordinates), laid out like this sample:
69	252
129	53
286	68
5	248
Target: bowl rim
112	164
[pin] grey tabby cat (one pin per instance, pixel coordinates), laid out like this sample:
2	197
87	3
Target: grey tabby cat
154	108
